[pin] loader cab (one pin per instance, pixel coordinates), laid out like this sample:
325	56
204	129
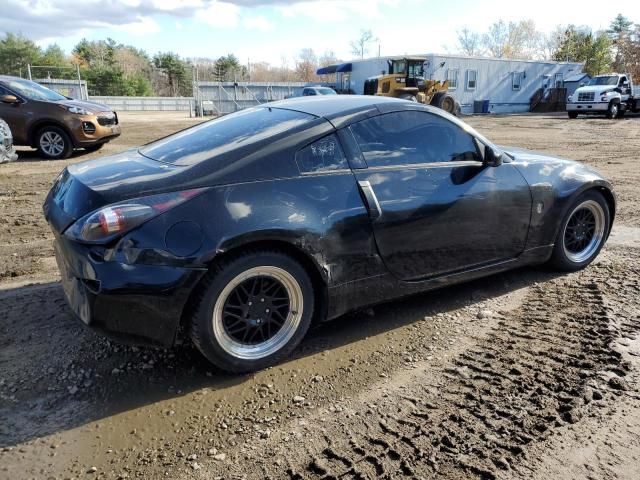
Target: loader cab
411	68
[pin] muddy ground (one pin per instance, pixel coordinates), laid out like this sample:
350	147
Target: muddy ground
527	374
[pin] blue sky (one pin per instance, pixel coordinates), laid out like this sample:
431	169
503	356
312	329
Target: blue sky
275	30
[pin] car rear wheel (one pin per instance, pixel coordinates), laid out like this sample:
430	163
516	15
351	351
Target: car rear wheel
582	233
252	311
53	143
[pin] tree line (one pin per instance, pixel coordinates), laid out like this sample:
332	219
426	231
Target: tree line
615	49
112	68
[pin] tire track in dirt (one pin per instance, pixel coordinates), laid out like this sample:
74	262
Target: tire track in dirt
532	374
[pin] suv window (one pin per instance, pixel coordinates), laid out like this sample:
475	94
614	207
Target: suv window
409	138
322	155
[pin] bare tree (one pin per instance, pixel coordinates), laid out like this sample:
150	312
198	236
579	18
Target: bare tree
360	47
306	65
469	42
513	40
328	58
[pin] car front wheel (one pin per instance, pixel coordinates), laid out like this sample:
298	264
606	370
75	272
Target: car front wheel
582	233
252	311
612	111
54	144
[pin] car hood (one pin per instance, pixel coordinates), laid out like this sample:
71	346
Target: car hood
594	88
539	167
89	106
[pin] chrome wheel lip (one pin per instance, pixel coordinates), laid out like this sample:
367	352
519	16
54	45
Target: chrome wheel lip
598	234
282	336
52	143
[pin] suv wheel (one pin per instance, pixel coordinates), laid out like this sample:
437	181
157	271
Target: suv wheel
53	143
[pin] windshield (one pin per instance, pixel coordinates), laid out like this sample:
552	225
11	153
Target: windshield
33	91
613	80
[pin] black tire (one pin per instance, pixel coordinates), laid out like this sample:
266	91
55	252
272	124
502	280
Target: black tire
214	342
53	143
94	148
562	258
612	111
573	115
445	102
621	113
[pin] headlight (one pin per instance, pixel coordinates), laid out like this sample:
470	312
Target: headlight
119	218
78	110
570	98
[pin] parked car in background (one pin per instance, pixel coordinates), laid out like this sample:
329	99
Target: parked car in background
612	95
54	124
312	91
247	228
7	150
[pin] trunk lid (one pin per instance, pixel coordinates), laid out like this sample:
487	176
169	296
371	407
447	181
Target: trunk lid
85	187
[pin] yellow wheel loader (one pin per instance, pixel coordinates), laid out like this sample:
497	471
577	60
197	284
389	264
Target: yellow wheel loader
406	80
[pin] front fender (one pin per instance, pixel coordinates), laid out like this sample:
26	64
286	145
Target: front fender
555	184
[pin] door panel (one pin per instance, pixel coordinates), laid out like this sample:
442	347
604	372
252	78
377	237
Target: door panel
16	117
439	209
446	218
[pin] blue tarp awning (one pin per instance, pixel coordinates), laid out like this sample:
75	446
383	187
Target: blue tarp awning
343	67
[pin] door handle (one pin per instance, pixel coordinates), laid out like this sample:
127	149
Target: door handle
371	200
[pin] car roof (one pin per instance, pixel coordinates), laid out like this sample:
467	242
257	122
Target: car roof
341	110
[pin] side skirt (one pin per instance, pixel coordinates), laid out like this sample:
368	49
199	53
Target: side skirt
381	288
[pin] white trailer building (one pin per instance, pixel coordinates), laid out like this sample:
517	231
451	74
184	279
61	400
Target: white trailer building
508	85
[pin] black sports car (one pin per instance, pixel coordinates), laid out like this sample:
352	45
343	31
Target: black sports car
246	229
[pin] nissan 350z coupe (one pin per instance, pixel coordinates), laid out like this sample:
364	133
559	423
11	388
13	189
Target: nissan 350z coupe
244	230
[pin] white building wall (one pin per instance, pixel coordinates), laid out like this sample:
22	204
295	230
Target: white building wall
493	81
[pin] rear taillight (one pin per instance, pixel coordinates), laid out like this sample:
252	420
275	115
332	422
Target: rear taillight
113	220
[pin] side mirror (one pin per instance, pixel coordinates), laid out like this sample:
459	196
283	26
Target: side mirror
492	158
9	99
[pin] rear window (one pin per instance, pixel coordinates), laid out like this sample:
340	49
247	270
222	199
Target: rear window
244	129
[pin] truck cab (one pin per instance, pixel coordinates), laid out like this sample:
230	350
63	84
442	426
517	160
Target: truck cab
612	95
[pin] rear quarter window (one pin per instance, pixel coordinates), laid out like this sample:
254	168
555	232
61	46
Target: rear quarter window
323	155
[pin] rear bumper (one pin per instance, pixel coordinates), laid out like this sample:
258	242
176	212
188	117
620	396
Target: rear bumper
588	107
135	304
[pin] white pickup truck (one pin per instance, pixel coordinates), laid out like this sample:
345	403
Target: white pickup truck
613	95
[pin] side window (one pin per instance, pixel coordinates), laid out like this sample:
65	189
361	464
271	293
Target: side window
516	81
472	77
413	137
452	76
321	156
4	91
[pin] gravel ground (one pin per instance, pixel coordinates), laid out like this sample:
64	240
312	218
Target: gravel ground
527	374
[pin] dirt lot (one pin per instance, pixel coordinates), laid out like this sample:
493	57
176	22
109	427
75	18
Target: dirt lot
528	374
